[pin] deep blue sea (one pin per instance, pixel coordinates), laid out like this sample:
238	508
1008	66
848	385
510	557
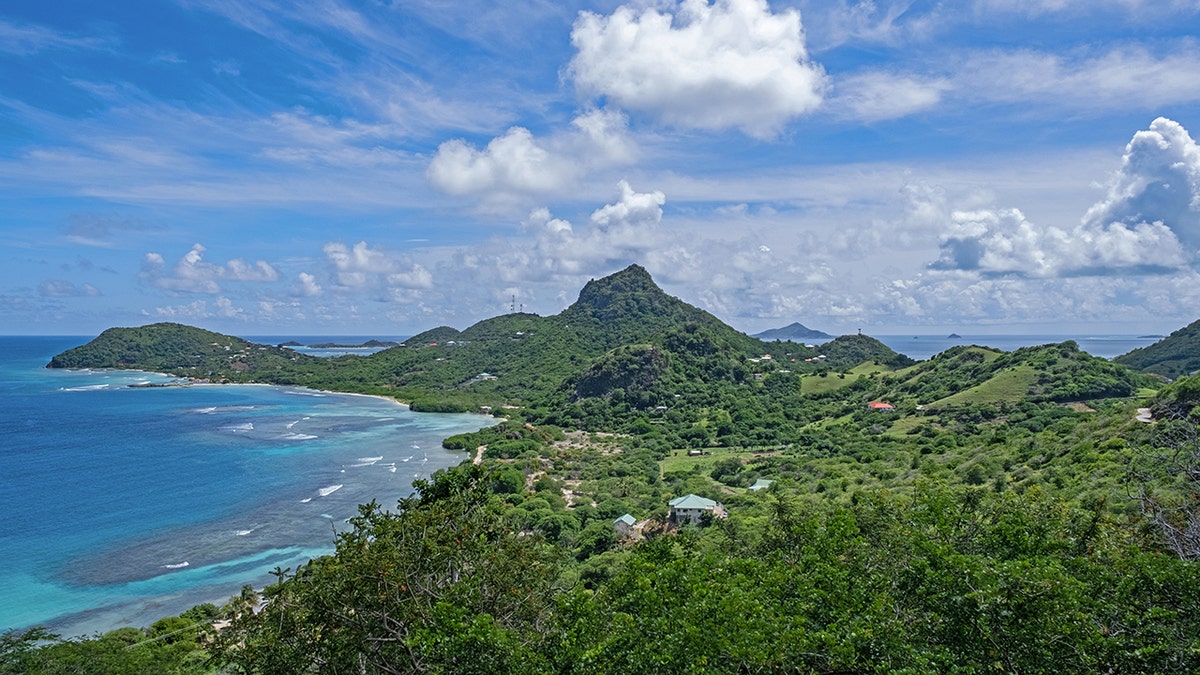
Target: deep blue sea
123	505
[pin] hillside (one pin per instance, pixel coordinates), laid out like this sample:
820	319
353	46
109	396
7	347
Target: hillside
178	349
505	359
1176	355
1046	373
795	332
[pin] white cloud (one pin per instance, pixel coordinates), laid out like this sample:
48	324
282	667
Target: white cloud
1147	223
306	286
193	275
59	288
362	268
517	163
30	38
1035	8
730	65
875	96
1120	78
1158	182
1004	242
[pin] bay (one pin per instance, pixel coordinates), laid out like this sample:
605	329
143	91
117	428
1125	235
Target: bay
123	505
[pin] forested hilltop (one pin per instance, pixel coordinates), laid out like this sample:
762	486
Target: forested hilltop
982	511
1175	355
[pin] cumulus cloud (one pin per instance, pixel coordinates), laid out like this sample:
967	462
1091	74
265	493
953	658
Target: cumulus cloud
731	65
192	274
58	288
553	251
521	164
306	286
362	268
1003	241
1148	222
1158	182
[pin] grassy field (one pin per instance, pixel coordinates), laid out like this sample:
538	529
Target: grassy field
1008	385
679	460
815	384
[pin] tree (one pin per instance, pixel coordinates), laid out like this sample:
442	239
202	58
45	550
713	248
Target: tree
445	585
1164	477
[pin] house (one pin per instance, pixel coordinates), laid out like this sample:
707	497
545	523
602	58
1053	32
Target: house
880	405
760	484
689	508
624	525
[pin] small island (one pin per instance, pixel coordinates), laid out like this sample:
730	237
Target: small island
369	344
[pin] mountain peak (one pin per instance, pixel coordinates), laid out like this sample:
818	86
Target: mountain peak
633	280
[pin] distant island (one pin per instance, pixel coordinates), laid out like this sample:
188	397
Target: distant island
954	336
369	344
793	332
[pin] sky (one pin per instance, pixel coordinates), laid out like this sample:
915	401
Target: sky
331	167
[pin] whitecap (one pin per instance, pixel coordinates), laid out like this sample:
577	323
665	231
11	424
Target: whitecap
366	461
205	411
242	533
177	565
306	500
297	437
89	387
247	426
326	491
407	458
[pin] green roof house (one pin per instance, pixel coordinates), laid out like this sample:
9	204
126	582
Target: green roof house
688	509
624	525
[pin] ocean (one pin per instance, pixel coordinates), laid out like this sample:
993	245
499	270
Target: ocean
124	505
922	347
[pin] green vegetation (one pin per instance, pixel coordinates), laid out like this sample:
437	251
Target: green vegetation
968	581
1009	512
1176	355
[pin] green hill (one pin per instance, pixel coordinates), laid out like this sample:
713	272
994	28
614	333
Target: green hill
179	349
1176	355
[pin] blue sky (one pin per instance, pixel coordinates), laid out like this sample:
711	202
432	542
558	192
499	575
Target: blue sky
374	168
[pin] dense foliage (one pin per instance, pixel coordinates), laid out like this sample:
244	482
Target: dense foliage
1175	355
963	581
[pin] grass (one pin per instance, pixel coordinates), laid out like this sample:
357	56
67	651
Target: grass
1007	385
679	460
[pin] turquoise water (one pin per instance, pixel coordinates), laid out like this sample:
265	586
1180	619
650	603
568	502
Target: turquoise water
123	505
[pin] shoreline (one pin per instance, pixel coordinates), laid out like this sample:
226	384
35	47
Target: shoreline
186	381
